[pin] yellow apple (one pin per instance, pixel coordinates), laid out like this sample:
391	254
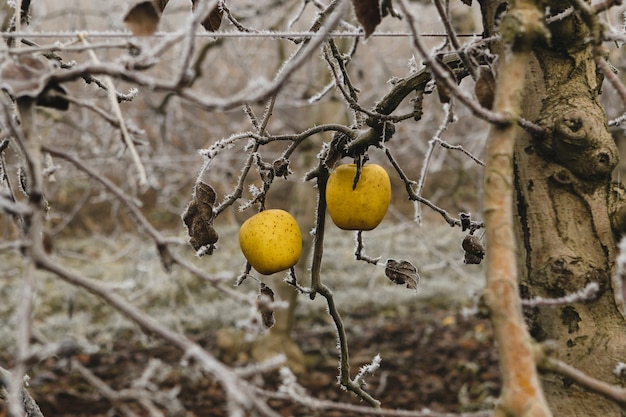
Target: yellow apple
271	241
364	207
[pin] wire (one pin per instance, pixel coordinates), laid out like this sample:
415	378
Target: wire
229	34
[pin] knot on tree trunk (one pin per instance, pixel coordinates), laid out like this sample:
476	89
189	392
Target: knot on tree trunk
578	138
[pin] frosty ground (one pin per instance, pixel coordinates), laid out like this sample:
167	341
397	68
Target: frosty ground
433	355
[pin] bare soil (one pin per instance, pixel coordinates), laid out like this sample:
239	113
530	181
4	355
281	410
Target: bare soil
431	358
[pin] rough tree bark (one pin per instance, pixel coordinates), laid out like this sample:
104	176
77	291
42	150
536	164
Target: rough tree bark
569	214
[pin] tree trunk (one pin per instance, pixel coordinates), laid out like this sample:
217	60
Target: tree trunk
568	219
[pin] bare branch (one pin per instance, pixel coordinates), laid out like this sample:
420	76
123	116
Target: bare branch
522	393
28	406
143	179
359	250
612	392
444	76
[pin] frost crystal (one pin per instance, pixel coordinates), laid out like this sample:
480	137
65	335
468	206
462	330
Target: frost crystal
620	369
412	65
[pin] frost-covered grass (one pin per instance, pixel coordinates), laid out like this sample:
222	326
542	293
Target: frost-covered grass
132	268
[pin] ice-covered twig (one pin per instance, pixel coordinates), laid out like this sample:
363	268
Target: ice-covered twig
29	406
413	196
368	369
115	105
588	293
359	250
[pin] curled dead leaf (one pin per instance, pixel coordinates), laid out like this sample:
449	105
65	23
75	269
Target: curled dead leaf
368	14
402	272
214	20
281	167
25	75
29	76
474	250
264	301
143	18
198	217
443	91
485	88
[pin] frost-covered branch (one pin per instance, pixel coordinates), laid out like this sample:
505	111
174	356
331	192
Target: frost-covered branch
168	257
409	184
586	294
290	390
444	77
29	406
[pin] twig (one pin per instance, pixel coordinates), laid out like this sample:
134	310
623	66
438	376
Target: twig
113	121
460	148
140	392
612	392
454	40
238	192
447	120
352	93
409	184
359	250
344	361
29	406
32	151
22	348
612	77
257	90
346	58
318	287
444	76
349	94
238	391
297	394
184	77
321	175
111	92
115	398
144	225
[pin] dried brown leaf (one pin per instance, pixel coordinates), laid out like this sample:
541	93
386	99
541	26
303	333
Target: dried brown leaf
160	4
402	272
143	18
474	250
368	14
198	217
25	75
443	91
214	20
485	88
29	76
281	167
264	301
53	97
